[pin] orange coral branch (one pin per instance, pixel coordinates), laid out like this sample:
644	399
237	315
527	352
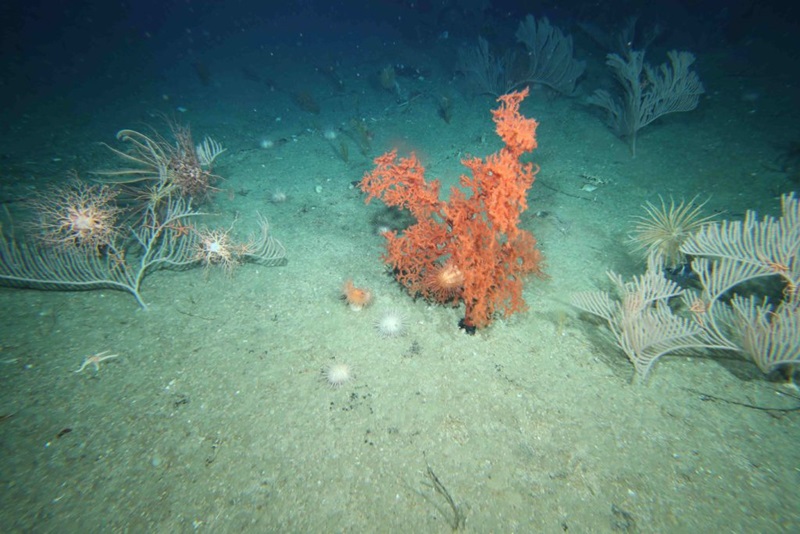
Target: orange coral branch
472	240
402	184
517	131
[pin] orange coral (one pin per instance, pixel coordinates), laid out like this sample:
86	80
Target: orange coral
473	241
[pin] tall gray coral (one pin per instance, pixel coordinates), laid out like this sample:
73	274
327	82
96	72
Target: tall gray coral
550	55
549	60
647	93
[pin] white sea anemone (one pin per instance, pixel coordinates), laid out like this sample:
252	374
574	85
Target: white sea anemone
391	323
337	374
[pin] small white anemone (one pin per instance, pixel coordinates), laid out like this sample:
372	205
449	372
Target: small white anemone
337	374
391	323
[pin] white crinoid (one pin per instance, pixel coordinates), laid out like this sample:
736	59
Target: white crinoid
77	215
215	247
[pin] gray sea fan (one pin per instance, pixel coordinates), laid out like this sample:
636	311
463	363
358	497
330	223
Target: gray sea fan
647	322
647	93
550	55
490	73
731	253
770	336
262	247
754	248
548	60
640	318
157	242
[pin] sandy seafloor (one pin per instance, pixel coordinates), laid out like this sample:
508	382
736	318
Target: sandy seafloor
215	419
